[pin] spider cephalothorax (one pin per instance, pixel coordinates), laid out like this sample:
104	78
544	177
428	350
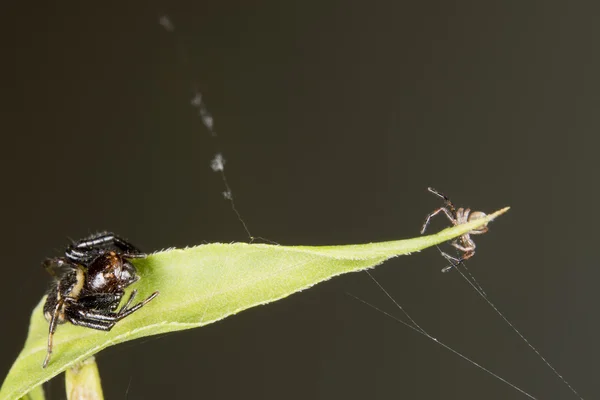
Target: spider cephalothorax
458	216
90	282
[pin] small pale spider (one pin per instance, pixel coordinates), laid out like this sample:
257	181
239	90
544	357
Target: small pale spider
458	216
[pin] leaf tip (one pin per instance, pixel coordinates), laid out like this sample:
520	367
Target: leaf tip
500	212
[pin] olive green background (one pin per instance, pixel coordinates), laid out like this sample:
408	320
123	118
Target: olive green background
334	117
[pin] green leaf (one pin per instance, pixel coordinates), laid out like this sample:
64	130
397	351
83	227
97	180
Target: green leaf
201	285
37	393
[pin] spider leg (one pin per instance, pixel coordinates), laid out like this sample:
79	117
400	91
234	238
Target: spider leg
90	247
443	196
129	300
479	231
467	246
79	320
105	319
452	260
436	212
439	194
51	330
125	311
130	250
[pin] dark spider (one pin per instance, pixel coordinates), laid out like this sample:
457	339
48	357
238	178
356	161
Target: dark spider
90	282
458	216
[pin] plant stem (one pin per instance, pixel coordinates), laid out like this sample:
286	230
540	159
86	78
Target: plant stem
83	381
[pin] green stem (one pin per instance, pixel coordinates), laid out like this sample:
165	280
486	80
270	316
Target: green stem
83	381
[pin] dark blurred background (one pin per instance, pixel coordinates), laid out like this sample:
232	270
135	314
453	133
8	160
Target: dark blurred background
334	117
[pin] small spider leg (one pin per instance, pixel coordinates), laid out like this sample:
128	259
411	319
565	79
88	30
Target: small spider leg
468	245
454	262
129	300
76	255
94	241
125	311
479	231
130	250
468	254
443	196
81	249
436	212
51	330
107	318
77	319
468	249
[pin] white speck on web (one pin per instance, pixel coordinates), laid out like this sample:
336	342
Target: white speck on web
218	163
207	118
166	23
197	100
